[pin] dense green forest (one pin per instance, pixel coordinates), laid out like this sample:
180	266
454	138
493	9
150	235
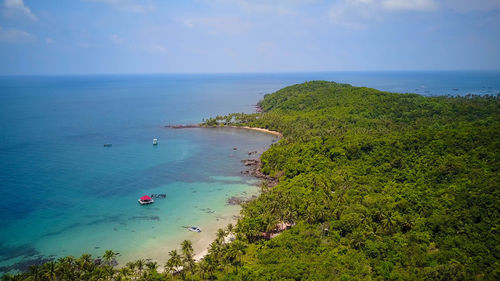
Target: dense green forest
376	186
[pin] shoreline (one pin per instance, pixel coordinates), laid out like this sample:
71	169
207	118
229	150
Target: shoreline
193	126
158	250
202	246
278	134
201	241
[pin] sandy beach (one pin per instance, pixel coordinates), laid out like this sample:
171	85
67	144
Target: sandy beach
191	126
278	134
158	249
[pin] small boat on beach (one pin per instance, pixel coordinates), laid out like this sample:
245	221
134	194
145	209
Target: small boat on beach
194	228
145	200
155	141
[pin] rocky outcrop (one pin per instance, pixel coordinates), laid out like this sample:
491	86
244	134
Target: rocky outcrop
238	200
253	170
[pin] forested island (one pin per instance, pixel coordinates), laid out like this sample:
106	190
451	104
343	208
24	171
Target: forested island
371	186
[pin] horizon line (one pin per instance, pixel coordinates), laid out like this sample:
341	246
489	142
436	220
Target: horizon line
243	72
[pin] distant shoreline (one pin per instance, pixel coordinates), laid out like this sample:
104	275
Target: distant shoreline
190	126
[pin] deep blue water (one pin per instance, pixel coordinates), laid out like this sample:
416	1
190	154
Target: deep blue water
64	193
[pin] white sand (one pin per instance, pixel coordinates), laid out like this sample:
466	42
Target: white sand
258	129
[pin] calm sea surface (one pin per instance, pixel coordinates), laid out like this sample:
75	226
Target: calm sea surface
64	193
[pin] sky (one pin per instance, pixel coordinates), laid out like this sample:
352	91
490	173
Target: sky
53	37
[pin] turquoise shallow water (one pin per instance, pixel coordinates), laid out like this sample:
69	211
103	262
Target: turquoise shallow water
65	194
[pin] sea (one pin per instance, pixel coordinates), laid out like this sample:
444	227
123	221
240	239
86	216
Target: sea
65	193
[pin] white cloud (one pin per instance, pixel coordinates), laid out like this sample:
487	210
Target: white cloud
17	7
116	39
472	5
229	52
409	5
156	48
279	7
189	23
218	25
267	48
12	35
358	13
132	6
355	13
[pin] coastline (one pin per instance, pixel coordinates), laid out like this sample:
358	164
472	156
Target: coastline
278	134
158	249
201	241
193	126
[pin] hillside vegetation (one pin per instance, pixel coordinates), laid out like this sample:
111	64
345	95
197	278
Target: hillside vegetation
377	186
407	187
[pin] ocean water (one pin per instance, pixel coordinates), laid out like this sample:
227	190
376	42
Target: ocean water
64	193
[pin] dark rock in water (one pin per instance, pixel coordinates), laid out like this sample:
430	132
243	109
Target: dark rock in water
250	162
254	171
97	247
184	126
162	195
235	148
153	218
24	265
238	200
21	251
252	152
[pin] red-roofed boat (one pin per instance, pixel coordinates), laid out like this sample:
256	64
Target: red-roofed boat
144	200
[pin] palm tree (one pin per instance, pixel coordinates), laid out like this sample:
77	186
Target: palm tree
64	268
109	256
239	248
124	272
174	262
8	277
140	266
187	251
230	228
35	272
152	266
86	265
131	267
387	221
221	234
208	265
97	275
50	271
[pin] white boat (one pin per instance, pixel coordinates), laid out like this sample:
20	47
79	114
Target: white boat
194	229
155	141
144	200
